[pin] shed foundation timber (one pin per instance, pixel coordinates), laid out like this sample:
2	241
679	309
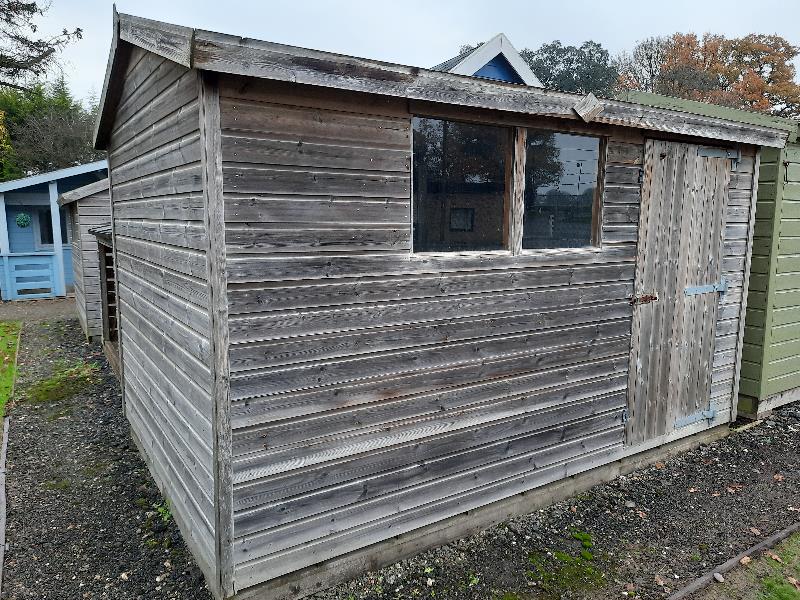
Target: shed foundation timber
359	301
324	575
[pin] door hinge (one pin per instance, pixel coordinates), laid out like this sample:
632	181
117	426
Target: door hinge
734	154
707	415
625	415
721	286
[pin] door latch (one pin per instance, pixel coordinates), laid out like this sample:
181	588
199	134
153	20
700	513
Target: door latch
645	299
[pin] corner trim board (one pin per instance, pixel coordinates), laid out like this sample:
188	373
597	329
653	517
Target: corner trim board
211	157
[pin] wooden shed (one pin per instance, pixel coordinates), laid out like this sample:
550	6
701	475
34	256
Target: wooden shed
366	308
770	370
88	207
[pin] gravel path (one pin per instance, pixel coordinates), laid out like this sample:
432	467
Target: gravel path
38	310
83	522
82	517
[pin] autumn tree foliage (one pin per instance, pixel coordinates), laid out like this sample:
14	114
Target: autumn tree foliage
754	72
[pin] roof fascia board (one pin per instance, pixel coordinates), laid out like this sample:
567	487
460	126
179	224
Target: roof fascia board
83	192
52	176
238	56
109	97
247	57
173	42
712	110
499	44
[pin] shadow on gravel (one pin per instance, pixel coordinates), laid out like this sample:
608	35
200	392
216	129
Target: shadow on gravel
85	520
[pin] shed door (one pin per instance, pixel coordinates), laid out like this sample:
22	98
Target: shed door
678	287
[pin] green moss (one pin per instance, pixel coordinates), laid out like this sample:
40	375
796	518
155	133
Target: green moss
56	484
67	381
584	538
560	572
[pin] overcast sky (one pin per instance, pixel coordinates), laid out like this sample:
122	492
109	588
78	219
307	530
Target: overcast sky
414	32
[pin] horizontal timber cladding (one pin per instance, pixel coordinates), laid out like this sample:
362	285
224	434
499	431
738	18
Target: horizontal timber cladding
771	358
161	271
88	214
374	391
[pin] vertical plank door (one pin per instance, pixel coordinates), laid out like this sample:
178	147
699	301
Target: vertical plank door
678	287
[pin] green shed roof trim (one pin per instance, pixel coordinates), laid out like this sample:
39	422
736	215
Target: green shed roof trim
712	110
206	50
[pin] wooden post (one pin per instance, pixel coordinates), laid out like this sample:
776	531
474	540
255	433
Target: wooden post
5	247
58	246
5	250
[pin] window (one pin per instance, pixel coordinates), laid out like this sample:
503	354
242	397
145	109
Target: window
459	186
46	227
561	174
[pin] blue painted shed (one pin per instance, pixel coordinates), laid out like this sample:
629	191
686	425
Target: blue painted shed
496	59
35	234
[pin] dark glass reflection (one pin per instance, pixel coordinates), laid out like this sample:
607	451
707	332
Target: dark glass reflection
560	183
459	186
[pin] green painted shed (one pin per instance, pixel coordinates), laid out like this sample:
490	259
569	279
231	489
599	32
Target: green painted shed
770	367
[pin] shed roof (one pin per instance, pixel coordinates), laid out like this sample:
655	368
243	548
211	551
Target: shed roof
17	184
83	192
713	110
206	50
471	61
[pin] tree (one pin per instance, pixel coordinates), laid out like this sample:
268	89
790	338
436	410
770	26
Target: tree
583	69
23	54
48	129
754	72
641	69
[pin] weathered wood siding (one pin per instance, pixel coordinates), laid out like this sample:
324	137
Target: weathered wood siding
729	341
771	360
77	267
374	391
87	213
161	271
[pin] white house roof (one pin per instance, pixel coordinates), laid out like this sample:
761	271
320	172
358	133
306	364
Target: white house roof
52	176
469	63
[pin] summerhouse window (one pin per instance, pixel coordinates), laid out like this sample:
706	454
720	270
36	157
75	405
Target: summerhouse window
465	176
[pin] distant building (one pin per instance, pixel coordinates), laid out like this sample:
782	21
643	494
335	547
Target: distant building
496	59
35	234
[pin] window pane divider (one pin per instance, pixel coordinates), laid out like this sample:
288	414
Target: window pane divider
517	191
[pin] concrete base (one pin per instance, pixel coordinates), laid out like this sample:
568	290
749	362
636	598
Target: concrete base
324	575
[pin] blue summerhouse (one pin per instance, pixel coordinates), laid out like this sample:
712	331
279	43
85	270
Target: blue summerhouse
495	59
35	233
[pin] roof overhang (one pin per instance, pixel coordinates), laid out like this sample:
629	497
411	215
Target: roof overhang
206	50
83	192
17	184
713	110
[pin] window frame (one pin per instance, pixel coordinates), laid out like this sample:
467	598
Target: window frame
514	196
37	230
507	193
596	238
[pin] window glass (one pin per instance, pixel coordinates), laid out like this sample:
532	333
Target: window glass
46	227
459	186
560	184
